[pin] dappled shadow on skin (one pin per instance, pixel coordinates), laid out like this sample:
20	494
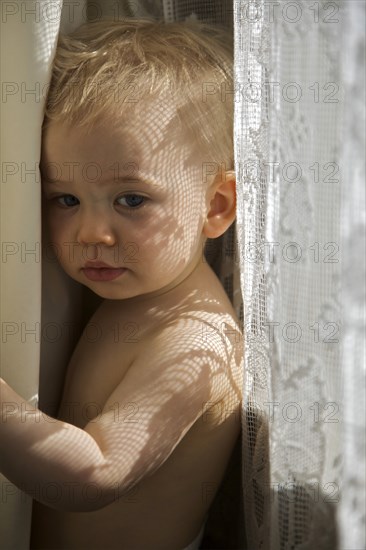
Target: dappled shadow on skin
163	407
196	387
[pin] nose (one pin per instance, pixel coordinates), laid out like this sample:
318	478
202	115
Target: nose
95	227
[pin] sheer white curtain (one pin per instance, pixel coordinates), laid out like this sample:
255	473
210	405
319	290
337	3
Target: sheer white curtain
300	138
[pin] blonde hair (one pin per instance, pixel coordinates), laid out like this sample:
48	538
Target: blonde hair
103	69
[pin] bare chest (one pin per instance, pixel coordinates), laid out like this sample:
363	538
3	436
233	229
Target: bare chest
104	353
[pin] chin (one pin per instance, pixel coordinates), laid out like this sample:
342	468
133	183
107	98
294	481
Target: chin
109	293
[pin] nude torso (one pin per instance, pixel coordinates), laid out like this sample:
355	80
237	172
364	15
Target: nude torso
166	509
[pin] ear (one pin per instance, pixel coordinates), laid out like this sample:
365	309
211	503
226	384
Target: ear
222	209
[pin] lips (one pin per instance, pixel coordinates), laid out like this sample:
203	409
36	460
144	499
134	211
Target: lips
99	271
97	265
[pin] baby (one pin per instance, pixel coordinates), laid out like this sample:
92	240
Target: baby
137	173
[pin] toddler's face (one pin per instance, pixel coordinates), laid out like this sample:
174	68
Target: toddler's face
131	198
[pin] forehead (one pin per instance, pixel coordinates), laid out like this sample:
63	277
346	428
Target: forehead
149	137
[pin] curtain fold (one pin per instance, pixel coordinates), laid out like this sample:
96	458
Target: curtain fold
33	319
27	45
351	509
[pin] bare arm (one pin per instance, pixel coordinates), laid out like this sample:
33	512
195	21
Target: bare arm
39	453
169	384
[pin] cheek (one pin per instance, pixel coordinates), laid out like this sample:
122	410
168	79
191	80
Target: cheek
178	222
156	228
57	230
189	219
54	227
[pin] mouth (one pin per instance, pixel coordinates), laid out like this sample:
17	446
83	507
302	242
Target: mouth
99	271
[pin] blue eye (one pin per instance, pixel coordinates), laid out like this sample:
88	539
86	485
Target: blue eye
68	200
132	201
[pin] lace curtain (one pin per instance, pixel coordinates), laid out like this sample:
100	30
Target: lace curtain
299	267
300	137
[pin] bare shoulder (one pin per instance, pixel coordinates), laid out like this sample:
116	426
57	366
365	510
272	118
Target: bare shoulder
195	331
200	341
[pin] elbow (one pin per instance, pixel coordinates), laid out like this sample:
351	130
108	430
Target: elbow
89	494
90	499
78	497
94	493
87	490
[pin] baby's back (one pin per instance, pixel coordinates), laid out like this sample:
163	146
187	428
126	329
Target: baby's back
170	369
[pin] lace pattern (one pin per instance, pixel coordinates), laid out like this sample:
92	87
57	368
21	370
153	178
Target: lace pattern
291	166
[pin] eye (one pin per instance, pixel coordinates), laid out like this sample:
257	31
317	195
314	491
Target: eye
131	201
68	201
